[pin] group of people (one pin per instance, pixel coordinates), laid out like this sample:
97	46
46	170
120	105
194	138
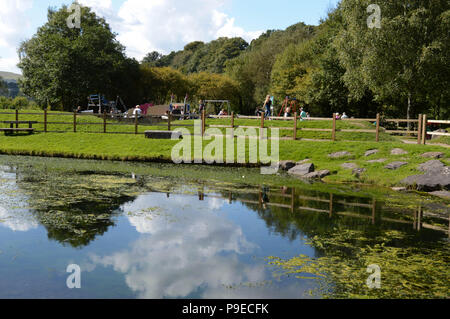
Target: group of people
341	117
268	109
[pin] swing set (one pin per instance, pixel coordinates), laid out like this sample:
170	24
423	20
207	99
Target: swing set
289	103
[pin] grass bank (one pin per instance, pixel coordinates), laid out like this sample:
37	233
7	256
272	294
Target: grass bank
137	148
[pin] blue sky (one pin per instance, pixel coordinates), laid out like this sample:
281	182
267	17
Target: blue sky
162	25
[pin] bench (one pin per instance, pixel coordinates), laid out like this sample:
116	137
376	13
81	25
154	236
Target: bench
163	135
15	130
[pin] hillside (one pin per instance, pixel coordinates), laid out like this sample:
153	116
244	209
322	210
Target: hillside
9	76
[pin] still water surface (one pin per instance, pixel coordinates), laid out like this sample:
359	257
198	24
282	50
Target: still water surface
144	236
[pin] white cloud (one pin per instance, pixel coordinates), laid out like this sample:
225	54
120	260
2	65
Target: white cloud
166	25
13	25
185	248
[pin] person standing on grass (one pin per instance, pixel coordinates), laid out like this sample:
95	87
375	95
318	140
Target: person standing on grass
267	105
303	114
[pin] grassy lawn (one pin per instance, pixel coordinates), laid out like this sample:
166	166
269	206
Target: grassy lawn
94	124
137	148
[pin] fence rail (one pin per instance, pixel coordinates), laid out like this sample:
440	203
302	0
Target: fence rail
421	132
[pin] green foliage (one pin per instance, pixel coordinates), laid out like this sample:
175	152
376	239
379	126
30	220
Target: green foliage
3	87
62	66
405	62
18	103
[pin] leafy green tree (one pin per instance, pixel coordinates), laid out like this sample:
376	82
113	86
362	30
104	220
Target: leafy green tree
61	66
3	87
399	61
152	58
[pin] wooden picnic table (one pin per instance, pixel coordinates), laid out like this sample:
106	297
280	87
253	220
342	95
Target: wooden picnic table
13	129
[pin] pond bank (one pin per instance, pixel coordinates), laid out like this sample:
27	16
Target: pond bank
133	148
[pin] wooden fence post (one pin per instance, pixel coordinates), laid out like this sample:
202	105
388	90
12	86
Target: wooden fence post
419	129
169	124
261	130
17	118
136	123
333	134
203	123
232	119
75	121
378	127
45	121
295	127
104	121
424	129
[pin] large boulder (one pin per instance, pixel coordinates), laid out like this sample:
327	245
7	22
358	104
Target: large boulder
349	166
434	155
381	160
317	175
431	166
302	170
340	154
371	152
398	151
433	180
395	165
286	165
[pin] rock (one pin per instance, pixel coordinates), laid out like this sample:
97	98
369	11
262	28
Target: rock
359	171
431	166
303	162
302	170
395	165
434	155
317	175
431	181
340	154
349	166
381	160
398	151
371	152
163	135
286	165
399	189
441	194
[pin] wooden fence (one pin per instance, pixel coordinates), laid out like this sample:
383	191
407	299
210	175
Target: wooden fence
366	211
422	123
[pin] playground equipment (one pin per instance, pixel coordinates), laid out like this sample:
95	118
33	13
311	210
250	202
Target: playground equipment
221	107
289	103
183	108
97	103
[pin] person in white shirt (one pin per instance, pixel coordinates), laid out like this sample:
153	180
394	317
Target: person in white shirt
137	111
344	116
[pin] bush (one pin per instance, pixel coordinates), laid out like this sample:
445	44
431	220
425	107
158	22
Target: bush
18	103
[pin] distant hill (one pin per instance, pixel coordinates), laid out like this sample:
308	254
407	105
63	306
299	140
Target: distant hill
9	76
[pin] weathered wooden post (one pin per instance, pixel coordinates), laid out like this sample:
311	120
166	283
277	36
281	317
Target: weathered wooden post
17	118
295	127
136	124
45	121
331	205
232	119
261	130
378	127
203	123
104	121
333	134
424	129
74	121
419	129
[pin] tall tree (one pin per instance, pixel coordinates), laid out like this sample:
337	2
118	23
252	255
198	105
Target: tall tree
3	87
398	60
61	66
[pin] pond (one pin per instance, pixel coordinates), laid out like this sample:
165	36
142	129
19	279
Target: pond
136	233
